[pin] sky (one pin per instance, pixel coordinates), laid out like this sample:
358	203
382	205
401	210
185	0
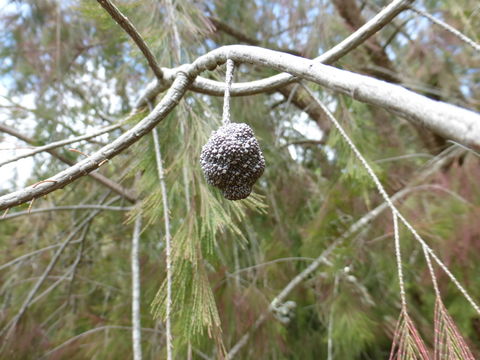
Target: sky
11	146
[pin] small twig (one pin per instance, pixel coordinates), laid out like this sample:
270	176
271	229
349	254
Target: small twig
5	213
298	279
398	29
17	148
476	153
27	302
82	240
275	261
177	54
79	152
53	286
240	36
305	142
130	29
102	162
432	272
330	322
42	182
401	157
177	43
30	206
54	315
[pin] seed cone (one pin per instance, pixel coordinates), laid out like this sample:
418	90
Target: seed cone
232	160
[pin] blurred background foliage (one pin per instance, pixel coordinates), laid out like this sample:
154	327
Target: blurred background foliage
67	68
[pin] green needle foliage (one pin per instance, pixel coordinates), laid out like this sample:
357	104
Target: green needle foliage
67	69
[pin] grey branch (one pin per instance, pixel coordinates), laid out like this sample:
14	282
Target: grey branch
449	121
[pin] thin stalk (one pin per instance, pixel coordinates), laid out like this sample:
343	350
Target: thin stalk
166	215
136	322
447	27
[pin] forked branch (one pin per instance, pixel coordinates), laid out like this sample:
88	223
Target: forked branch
211	87
449	121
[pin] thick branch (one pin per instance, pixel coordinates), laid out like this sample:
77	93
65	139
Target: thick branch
446	120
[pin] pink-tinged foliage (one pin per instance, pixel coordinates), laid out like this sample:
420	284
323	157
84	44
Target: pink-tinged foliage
449	343
407	343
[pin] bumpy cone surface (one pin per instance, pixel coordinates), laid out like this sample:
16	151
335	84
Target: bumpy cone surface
232	160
